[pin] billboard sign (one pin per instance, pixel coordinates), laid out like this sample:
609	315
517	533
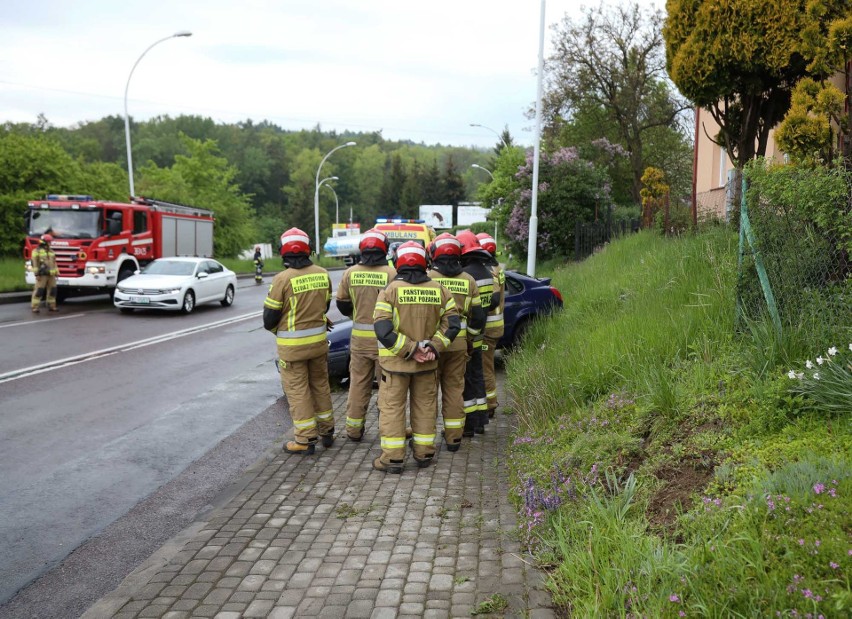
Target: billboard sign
472	213
437	216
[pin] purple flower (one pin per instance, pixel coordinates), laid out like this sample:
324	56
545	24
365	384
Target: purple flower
833	565
818	488
801	542
674	598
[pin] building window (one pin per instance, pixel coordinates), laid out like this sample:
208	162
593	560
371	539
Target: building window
723	165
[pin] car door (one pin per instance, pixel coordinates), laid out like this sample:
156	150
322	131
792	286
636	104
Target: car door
218	280
204	284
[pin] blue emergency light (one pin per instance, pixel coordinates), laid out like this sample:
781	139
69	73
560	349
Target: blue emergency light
81	198
400	221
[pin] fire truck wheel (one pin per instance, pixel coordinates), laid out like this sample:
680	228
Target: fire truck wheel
188	302
229	297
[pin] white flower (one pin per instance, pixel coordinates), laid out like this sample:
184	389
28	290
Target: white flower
800	375
850	346
832	351
791	374
816	375
808	364
820	360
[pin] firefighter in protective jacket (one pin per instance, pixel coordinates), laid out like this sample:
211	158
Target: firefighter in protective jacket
445	251
45	269
356	298
415	321
493	325
294	311
475	262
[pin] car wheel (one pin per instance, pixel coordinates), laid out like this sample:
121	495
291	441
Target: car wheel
188	302
520	332
125	310
229	297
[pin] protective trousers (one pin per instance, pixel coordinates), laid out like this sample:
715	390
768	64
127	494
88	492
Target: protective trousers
488	349
308	393
475	403
451	368
362	371
394	389
45	289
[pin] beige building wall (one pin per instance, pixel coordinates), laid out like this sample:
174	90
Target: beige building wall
712	163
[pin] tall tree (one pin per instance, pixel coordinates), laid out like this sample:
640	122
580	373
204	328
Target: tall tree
205	179
613	60
412	191
391	199
740	59
433	186
453	183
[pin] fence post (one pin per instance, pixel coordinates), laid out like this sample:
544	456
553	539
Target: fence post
577	240
747	232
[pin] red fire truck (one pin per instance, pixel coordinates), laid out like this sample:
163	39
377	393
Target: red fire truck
99	243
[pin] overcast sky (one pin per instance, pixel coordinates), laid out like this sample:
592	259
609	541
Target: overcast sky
414	70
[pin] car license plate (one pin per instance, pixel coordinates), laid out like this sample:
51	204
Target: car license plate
140	300
62	282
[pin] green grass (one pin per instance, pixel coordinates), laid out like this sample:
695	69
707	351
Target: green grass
664	462
12	275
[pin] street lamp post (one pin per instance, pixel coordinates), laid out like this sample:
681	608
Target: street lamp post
336	205
316	192
499	136
183	33
533	234
486	170
327	180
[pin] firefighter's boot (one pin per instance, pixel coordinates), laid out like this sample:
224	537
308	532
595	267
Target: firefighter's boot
327	439
394	466
301	449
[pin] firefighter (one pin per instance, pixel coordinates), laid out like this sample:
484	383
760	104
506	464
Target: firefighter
294	310
356	298
493	325
415	321
445	251
258	265
45	269
475	262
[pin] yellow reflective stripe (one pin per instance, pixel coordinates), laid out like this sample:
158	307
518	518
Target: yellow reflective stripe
477	343
451	304
363	326
362	333
300	341
453	423
305	423
393	442
301	333
462	333
385	307
494	318
291	316
423	439
401	340
496	323
325	415
273	304
384	352
491	394
444	340
352	422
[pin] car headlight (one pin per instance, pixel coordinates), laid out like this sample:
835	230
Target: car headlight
171	291
93	270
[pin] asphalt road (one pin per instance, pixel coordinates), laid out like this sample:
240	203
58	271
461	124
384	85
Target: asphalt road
116	431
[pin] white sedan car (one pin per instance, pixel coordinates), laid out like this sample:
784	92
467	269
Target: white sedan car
177	284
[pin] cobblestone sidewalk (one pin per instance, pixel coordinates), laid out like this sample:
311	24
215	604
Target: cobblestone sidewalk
327	536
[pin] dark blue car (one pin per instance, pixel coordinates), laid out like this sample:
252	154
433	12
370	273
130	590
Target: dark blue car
526	299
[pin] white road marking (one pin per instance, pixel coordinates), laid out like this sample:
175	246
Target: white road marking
97	354
40	321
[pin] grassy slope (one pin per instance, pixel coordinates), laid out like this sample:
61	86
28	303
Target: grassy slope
662	464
